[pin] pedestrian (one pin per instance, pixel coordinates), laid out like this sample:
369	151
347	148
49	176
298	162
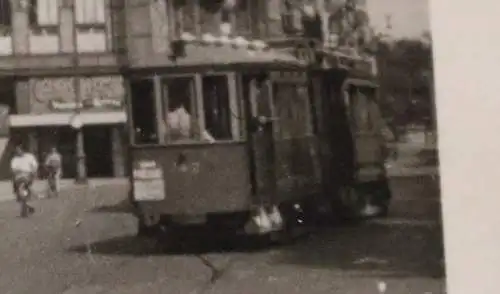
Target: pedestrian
24	167
53	166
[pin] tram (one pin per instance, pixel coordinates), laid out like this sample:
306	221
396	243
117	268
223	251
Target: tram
242	135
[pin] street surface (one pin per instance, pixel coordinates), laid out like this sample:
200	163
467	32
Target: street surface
83	243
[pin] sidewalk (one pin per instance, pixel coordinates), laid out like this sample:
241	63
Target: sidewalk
40	186
399	170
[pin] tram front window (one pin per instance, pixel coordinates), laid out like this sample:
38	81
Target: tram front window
203	112
216	107
377	120
181	120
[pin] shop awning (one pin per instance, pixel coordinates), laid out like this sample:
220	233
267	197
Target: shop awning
63	119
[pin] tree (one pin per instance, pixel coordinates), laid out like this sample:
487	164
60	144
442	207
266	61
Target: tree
406	69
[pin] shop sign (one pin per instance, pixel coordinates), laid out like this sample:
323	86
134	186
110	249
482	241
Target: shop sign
58	94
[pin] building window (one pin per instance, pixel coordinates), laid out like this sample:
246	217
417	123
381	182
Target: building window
90	14
243	15
5	17
44	15
210	16
93	32
291	18
184	16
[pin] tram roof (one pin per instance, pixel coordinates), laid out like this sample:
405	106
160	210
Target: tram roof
213	54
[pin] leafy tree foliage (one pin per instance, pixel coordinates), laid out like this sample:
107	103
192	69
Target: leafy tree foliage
406	81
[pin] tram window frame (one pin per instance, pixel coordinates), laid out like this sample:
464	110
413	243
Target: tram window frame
363	125
377	121
232	129
166	98
134	112
197	106
245	85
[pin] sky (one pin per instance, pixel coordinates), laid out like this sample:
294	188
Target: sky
409	18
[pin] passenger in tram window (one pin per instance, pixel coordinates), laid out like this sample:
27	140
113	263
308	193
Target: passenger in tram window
181	125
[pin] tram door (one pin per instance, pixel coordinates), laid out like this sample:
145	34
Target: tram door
337	147
258	91
366	129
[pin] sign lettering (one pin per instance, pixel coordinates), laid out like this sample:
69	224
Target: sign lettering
58	94
147	164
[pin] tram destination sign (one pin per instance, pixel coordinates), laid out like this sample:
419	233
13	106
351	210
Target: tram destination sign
310	55
148	181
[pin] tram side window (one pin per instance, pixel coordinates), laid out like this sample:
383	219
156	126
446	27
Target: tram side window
216	106
284	125
357	110
305	110
143	111
362	111
190	118
377	121
291	103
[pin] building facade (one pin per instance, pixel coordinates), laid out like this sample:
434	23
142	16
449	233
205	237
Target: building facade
59	58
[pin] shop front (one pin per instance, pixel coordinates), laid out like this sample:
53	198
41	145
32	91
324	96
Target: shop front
46	107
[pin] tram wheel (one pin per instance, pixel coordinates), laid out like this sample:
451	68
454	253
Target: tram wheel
289	234
384	210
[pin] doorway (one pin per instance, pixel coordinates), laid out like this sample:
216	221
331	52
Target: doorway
64	139
98	151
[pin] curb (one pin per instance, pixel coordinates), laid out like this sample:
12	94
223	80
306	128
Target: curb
66	185
412	172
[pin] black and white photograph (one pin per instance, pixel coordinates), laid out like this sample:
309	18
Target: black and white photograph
219	147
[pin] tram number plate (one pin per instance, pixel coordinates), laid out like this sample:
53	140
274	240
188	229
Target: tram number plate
149	184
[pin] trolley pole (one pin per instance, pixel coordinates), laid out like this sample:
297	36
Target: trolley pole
77	124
